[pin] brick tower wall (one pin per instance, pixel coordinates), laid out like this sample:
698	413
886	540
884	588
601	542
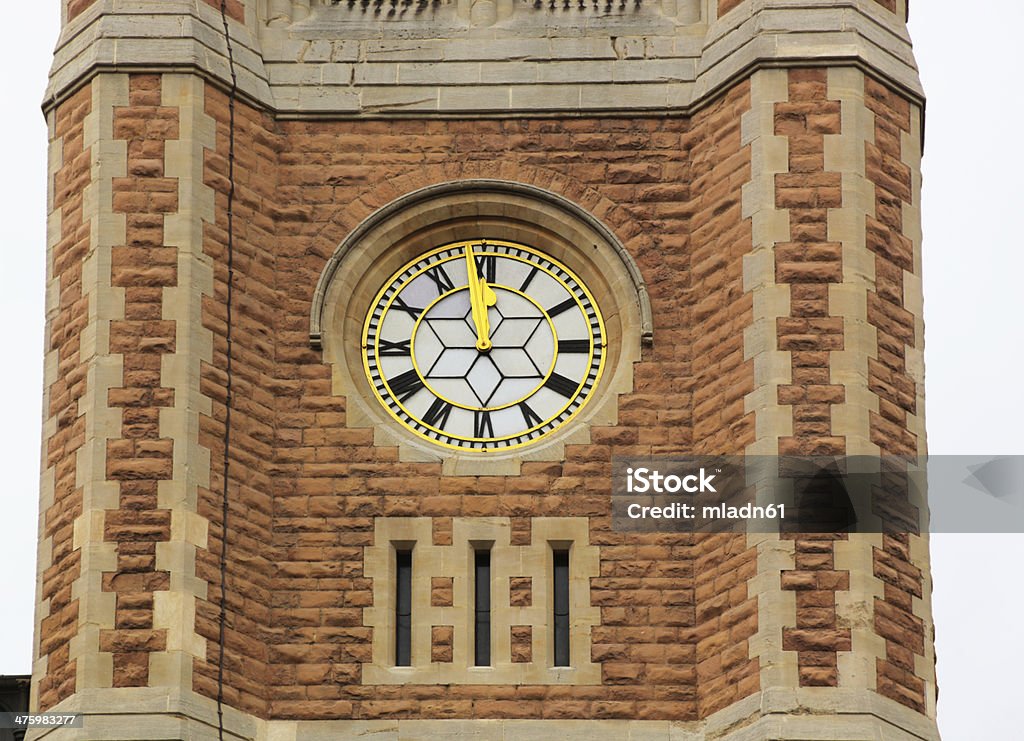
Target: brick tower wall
306	487
773	217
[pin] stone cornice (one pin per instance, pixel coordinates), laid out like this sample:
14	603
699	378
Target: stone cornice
343	62
155	35
783	33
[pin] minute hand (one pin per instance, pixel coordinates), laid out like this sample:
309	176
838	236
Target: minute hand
477	299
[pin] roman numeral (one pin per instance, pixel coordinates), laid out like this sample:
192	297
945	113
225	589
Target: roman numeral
437	414
406	384
564	306
529	416
487	267
412	311
395	349
562	385
529	279
441	279
482	424
574	346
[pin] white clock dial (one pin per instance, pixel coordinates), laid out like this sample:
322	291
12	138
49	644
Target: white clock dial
492	359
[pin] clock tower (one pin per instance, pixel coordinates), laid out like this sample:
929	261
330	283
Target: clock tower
351	304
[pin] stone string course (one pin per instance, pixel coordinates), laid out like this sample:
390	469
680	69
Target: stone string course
437	60
235	9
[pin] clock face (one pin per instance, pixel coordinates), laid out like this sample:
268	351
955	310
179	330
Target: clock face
483	345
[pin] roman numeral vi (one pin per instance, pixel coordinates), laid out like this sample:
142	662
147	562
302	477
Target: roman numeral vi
482	424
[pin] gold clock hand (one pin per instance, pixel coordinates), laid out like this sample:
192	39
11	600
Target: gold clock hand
478	302
490	297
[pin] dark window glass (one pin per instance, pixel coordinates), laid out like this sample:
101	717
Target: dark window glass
561	616
482	588
403	608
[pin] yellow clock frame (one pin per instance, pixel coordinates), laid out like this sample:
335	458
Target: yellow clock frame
482	295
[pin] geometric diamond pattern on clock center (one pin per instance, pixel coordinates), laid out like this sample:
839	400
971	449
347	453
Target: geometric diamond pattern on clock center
522	351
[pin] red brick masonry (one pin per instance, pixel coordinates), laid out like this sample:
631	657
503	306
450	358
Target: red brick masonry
60	623
305	486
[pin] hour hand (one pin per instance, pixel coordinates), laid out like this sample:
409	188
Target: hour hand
478	297
490	297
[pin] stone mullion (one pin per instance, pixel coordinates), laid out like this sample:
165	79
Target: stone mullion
442	642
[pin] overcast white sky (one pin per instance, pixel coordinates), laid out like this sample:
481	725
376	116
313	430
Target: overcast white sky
974	270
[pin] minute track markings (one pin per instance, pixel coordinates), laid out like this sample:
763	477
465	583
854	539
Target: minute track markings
449	414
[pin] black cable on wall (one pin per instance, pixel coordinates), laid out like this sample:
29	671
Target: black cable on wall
232	92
